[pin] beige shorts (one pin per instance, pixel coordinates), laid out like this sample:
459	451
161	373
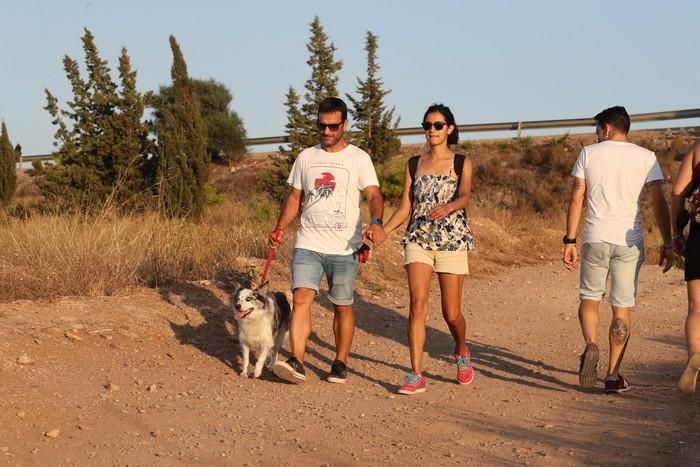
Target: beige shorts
452	262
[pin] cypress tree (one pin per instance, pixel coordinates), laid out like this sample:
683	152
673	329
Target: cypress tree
376	128
301	116
101	155
182	146
8	171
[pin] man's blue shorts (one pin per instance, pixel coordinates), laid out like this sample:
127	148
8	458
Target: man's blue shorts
309	266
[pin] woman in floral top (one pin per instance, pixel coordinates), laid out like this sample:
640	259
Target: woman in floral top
437	239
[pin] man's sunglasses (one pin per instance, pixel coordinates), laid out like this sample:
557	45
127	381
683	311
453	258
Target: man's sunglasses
330	126
437	125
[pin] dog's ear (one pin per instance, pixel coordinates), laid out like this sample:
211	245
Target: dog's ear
260	297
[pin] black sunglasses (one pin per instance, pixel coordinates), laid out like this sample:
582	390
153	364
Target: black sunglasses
437	125
330	126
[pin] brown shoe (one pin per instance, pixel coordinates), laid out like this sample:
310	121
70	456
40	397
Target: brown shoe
686	383
588	371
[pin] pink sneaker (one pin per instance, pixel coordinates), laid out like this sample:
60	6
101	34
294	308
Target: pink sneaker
465	372
413	384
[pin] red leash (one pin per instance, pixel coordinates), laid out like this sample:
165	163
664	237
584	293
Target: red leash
270	256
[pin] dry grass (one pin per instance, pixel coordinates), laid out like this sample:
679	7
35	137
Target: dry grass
50	255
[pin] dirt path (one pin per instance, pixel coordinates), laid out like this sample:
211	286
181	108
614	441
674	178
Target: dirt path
151	380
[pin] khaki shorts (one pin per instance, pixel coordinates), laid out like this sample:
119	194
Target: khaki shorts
600	260
452	262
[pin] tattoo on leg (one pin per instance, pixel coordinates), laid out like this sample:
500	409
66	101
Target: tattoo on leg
620	331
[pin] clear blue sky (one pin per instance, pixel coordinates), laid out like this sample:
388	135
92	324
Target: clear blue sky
490	61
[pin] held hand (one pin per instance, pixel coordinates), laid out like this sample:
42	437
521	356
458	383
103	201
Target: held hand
375	233
276	237
570	257
666	258
678	244
438	212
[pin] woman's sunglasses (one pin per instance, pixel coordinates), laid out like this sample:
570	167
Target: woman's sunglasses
437	125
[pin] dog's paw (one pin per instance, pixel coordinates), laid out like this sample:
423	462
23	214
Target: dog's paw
244	373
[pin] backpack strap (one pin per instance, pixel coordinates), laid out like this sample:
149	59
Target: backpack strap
412	167
459	164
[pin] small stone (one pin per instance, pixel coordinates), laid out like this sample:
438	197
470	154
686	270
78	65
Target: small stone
548	426
152	388
73	335
21	414
52	433
25	359
112	387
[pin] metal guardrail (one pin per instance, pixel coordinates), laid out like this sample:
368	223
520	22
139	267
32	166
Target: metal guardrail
485	127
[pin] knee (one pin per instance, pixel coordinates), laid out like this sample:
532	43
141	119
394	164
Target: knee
452	316
342	310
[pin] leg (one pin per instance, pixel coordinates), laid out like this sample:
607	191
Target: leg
619	336
418	287
260	363
687	381
625	263
588	317
246	360
343	330
279	341
692	321
451	297
300	321
341	271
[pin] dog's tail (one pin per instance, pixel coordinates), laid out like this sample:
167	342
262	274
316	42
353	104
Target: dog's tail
283	310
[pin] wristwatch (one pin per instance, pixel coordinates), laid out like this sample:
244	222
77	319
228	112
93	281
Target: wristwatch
568	241
377	221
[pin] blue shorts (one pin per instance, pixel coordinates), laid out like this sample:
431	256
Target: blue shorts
309	266
620	262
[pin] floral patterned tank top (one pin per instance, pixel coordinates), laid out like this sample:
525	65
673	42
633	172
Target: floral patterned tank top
452	232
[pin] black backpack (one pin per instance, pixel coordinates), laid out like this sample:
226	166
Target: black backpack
413	166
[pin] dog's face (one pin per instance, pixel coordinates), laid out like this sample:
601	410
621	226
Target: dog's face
247	302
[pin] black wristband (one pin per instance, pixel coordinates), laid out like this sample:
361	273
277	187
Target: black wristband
568	241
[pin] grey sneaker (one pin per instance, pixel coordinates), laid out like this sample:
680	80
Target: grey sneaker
687	381
338	374
292	370
587	372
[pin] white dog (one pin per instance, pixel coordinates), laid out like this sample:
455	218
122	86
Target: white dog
263	322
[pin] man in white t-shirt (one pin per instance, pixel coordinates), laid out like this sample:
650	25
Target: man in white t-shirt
327	183
611	176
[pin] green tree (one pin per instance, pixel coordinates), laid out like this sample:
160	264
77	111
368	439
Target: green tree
183	161
225	131
8	171
102	154
375	124
301	116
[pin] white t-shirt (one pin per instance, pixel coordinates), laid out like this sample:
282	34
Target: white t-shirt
615	173
332	183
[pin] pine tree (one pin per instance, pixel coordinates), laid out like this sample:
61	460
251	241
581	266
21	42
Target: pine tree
301	117
102	153
182	146
8	171
376	128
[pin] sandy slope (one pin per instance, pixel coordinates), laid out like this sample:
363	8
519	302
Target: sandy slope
151	379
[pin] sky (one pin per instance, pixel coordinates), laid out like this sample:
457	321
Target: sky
494	61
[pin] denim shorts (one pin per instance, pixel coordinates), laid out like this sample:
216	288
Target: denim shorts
309	266
620	262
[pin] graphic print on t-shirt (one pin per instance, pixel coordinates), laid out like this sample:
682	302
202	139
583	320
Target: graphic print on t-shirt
325	202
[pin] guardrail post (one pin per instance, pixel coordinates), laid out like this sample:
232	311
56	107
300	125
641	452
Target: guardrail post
520	129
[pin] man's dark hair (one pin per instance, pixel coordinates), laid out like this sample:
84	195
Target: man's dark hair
617	117
333	104
453	137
